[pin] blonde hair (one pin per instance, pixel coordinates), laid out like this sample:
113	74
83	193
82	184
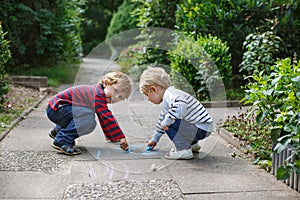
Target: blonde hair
154	76
120	80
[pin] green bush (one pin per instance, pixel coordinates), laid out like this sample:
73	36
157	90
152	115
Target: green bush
149	48
5	55
97	16
122	20
202	63
261	51
138	57
232	21
276	100
158	13
42	33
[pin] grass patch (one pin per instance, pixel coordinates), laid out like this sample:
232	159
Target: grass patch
61	73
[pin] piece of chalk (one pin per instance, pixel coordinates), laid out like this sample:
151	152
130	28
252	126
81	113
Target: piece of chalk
128	150
148	148
153	168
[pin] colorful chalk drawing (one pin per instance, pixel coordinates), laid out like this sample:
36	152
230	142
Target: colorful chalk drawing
136	149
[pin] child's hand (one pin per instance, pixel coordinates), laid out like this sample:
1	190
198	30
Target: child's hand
123	144
152	144
165	128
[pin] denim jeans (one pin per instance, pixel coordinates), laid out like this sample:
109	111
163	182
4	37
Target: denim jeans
184	134
71	122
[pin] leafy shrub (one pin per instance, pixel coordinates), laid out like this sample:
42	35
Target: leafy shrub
141	57
260	54
276	100
202	63
158	13
5	55
146	51
97	16
122	20
42	33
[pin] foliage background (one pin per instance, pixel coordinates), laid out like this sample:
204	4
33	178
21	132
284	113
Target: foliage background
42	33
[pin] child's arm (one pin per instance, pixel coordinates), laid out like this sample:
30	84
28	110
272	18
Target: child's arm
177	111
158	132
109	124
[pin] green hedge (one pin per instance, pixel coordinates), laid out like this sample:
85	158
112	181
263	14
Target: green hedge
260	54
42	33
5	55
231	21
203	63
122	21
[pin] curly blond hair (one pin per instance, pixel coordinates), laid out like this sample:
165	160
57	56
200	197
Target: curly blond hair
120	81
154	76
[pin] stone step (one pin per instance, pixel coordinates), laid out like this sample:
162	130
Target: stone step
36	82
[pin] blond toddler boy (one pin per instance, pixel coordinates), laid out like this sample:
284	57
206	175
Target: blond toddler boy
183	118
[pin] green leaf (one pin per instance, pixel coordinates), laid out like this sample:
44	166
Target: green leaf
286	139
288	128
275	133
296	79
283	173
297	167
261	116
274	81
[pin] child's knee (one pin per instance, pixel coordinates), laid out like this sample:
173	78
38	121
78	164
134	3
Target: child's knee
201	134
92	126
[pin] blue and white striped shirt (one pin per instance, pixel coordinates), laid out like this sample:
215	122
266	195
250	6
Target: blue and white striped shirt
177	104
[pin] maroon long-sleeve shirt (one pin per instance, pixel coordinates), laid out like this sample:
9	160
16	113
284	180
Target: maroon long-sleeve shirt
94	98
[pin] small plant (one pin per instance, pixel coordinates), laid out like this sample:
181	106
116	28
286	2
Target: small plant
258	138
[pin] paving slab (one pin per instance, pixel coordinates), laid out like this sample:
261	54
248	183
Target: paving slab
112	170
247	195
32	185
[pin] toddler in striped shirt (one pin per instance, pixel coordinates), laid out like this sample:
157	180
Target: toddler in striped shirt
183	118
73	112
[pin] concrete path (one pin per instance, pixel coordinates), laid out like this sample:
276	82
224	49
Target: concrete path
31	169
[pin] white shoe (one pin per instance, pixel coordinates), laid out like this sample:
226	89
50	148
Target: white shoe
183	154
196	148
